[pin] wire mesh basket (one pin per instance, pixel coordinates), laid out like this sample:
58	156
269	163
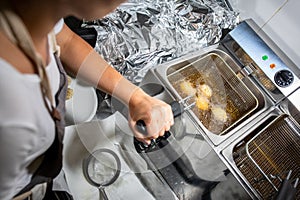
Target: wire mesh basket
267	158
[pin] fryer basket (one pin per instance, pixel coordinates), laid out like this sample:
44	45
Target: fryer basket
228	92
267	157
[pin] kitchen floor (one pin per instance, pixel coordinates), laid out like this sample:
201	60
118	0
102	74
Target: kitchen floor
229	189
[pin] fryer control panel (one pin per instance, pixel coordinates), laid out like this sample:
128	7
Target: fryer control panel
265	58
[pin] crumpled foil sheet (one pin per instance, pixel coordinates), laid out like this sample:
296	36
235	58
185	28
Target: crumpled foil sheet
139	35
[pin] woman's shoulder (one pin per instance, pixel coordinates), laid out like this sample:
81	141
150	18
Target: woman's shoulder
11	54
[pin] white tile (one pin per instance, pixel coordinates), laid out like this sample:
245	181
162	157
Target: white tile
259	10
284	29
279	19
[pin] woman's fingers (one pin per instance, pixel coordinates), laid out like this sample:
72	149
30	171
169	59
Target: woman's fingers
156	114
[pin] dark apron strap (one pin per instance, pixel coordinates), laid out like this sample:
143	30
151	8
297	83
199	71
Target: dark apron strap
52	162
52	159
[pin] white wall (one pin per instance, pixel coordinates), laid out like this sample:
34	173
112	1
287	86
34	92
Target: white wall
280	19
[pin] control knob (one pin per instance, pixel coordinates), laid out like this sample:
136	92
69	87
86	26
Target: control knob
284	78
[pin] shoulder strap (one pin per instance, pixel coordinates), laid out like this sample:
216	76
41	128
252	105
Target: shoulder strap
16	31
54	47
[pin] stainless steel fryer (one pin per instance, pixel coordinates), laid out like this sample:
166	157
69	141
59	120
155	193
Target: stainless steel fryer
236	70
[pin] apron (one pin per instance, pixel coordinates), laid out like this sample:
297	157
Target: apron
51	160
47	166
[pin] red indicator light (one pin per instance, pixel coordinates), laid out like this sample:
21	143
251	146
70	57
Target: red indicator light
272	66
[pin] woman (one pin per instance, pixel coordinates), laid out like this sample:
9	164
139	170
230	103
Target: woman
33	88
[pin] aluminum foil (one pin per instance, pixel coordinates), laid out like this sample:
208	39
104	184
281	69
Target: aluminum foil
139	35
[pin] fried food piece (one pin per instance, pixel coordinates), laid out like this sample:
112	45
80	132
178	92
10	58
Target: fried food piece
202	102
219	114
70	93
187	88
69	80
205	90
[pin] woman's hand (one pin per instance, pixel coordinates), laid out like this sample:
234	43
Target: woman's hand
156	114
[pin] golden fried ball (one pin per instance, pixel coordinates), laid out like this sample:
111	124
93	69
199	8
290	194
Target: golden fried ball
219	113
205	90
187	88
202	102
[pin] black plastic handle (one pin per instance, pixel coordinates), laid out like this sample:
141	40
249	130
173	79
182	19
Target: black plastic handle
177	110
141	127
142	147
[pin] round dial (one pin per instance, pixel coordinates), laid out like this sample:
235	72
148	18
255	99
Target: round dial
284	78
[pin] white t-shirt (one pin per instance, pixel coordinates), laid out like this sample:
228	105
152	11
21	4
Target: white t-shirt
26	128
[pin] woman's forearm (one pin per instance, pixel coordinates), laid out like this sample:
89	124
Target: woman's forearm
80	60
83	62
